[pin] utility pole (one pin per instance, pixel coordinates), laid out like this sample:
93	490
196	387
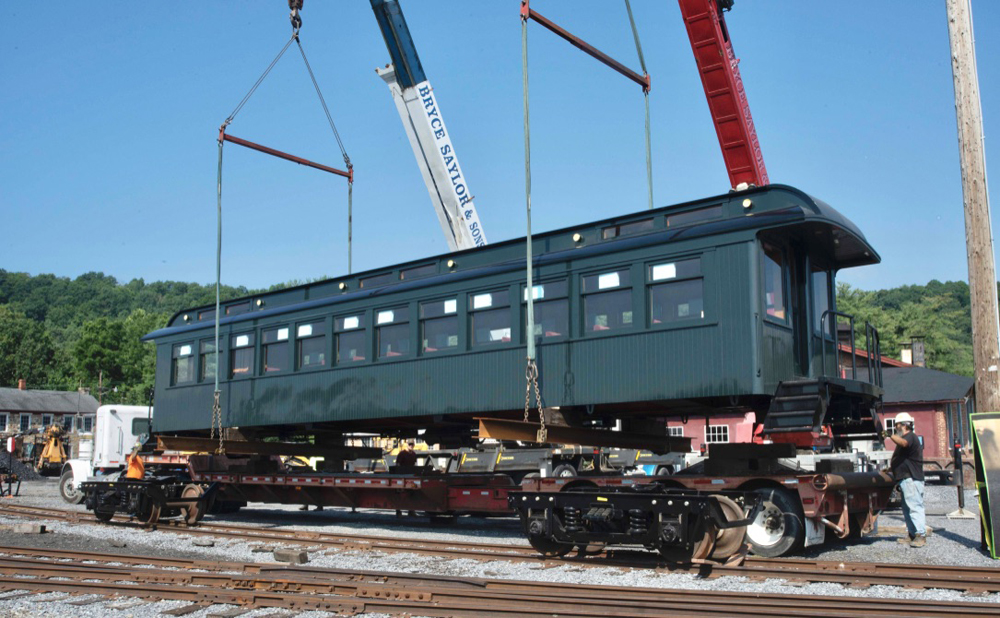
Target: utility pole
978	234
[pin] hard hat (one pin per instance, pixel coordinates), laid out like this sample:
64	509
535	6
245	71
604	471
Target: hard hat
903	417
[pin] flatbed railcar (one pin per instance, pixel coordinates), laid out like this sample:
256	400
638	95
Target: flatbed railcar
703	306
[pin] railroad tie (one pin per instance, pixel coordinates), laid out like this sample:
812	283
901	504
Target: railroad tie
184	610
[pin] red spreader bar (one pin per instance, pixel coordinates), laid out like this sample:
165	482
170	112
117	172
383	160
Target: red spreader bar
223	136
727	101
528	13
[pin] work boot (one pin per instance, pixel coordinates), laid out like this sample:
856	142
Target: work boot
905	539
919	541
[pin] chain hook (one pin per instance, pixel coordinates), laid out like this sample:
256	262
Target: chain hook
295	6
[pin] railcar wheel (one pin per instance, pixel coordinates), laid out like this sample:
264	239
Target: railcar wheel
729	540
150	514
68	490
104	516
778	528
701	549
194	513
534	529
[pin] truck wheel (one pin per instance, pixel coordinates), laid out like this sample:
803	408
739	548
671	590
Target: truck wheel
68	489
564	470
664	470
778	528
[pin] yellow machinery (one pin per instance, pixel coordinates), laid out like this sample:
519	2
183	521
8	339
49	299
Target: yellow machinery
53	454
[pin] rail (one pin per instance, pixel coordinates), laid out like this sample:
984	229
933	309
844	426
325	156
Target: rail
873	346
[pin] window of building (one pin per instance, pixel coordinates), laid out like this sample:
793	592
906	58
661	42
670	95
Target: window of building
439	325
238	308
241	355
392	329
551	308
25	422
350	339
821	301
694	216
206	357
67	423
607	301
774	283
88	424
424	270
274	349
311	344
675	432
182	364
46	420
489	317
208	314
676	291
376	280
716	433
626	229
3	422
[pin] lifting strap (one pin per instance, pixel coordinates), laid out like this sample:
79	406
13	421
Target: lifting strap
643	80
296	20
531	371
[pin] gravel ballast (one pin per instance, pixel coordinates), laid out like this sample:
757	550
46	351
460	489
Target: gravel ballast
952	542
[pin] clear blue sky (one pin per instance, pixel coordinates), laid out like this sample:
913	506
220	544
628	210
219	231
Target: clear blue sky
109	115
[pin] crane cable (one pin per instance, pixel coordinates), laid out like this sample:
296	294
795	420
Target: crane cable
296	20
531	371
645	94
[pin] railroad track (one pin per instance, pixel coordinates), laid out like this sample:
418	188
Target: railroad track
102	577
970	580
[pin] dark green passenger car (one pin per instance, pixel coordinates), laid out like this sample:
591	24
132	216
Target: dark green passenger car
684	310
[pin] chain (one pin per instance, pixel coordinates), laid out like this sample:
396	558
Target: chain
217	422
531	377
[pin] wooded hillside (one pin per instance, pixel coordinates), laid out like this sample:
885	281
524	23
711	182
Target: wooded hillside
59	333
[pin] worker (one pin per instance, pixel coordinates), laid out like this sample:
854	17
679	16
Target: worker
407	456
405	461
135	469
907	466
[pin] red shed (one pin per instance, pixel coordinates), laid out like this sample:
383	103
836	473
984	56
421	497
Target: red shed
939	403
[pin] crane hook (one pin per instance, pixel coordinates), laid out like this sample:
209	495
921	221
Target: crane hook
295	6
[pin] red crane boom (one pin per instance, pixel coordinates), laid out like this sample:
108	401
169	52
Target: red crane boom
727	101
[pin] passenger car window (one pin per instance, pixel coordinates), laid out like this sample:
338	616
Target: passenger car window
274	347
241	355
607	301
439	325
351	338
774	283
392	330
676	291
310	339
182	364
551	309
489	317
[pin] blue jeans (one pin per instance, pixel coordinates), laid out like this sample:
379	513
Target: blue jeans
913	506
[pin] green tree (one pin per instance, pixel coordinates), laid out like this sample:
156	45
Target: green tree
26	350
97	354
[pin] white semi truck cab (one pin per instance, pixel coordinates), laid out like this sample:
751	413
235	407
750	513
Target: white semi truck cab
117	429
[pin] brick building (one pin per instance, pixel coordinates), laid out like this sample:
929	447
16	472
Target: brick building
939	402
23	410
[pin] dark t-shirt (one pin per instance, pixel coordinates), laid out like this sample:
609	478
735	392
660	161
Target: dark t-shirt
406	458
908	461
